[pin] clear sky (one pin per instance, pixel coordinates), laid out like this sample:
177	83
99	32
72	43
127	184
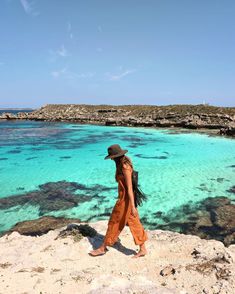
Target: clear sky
117	52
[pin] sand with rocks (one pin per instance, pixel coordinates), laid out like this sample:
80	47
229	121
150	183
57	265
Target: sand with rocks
175	263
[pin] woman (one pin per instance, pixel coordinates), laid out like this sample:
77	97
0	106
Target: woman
124	211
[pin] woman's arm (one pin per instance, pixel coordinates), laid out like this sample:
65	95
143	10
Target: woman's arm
127	172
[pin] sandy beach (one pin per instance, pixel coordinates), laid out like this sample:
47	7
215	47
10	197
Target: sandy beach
175	263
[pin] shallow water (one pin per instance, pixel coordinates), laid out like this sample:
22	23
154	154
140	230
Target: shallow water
174	169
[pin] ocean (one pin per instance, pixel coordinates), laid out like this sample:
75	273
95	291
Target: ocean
57	168
14	111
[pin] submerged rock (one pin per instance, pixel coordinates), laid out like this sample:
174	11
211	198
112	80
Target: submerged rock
51	196
232	190
224	217
212	218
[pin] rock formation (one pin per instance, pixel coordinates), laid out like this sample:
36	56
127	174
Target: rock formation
199	116
41	226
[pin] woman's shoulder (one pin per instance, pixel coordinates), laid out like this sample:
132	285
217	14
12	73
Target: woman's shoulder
127	163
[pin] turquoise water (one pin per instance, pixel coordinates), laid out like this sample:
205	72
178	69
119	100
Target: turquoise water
174	169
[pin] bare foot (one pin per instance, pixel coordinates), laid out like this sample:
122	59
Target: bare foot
98	251
140	253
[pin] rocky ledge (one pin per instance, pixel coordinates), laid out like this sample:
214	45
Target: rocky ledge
199	116
58	262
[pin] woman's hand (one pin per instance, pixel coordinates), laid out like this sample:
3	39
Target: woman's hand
134	211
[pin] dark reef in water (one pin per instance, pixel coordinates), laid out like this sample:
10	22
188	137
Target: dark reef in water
151	157
20	188
55	196
31	158
100	216
232	190
14	151
211	218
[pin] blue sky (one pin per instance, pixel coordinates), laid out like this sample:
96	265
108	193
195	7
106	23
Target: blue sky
117	52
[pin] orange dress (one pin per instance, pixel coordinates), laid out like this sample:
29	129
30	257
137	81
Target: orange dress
121	213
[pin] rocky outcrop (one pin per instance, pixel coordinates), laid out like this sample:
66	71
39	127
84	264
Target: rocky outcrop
229	131
22	115
8	115
184	116
57	263
77	232
41	226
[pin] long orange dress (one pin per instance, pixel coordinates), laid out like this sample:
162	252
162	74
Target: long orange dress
121	213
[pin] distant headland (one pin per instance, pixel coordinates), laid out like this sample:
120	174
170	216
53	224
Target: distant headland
19	108
198	117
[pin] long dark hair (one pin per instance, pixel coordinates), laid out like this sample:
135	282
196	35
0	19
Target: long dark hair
139	195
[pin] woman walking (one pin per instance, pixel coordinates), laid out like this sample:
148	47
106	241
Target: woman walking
124	211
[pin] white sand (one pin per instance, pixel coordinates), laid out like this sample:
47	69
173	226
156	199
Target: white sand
44	265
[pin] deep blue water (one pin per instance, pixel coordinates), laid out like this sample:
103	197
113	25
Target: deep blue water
15	111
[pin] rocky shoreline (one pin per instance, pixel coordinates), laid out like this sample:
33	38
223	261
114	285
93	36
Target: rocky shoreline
52	253
57	261
210	218
221	120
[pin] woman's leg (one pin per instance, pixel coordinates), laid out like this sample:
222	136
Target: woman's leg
138	233
111	236
116	224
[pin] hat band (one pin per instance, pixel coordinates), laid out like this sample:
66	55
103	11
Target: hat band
114	153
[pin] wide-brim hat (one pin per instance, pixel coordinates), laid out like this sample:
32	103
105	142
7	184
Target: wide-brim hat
115	151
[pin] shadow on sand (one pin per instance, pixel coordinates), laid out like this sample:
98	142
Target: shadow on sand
97	241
